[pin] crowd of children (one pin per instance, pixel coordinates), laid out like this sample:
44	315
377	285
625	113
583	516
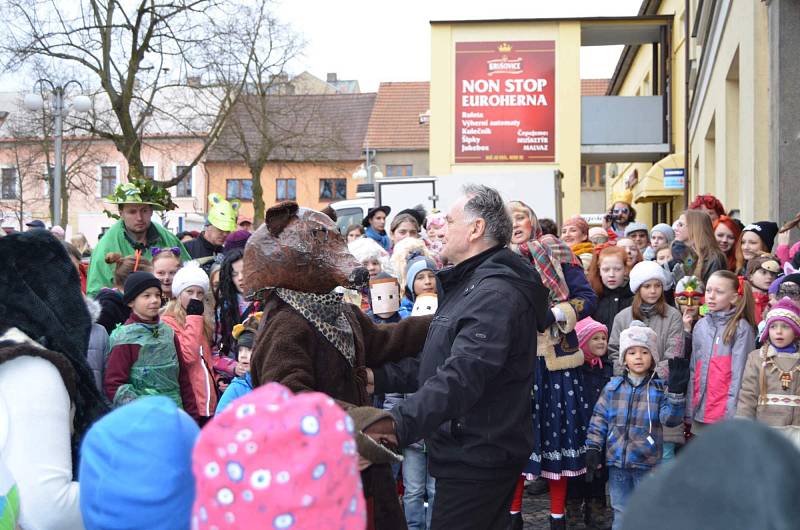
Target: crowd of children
655	334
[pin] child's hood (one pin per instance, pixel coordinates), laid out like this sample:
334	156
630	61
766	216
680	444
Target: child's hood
136	461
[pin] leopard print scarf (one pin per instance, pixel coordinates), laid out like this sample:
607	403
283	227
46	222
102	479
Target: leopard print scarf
326	313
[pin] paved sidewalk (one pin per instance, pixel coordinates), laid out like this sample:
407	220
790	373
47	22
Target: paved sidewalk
536	512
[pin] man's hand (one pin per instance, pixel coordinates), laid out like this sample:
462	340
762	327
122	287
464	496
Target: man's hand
363	463
370	381
383	432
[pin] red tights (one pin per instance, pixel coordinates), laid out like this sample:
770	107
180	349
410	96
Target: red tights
558	496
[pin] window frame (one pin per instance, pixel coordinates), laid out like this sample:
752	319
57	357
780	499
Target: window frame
240	199
334	196
392	173
16	183
100	178
191	182
288	197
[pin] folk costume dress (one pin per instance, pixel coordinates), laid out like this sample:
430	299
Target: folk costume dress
560	412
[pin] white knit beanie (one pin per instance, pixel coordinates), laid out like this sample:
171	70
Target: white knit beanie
643	272
637	334
187	276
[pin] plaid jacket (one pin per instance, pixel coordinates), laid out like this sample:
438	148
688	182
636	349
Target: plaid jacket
623	421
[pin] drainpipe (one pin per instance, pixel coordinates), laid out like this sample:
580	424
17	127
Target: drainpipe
687	63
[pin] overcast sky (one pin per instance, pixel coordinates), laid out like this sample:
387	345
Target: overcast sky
374	41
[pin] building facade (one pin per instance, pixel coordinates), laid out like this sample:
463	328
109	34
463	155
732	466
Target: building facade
399	129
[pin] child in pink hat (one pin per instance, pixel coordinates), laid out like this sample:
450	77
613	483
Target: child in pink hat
593	341
770	391
273	459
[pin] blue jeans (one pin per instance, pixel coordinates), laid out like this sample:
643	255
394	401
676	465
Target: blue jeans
416	481
621	483
669	452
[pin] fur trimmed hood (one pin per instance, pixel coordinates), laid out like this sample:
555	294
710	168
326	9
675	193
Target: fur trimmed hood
94	308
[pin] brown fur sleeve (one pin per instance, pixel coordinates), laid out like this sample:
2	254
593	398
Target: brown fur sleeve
283	353
392	342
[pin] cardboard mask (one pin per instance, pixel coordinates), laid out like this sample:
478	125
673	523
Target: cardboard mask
384	296
302	250
425	304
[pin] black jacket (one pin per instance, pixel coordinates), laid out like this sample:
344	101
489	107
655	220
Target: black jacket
473	379
113	312
200	247
612	302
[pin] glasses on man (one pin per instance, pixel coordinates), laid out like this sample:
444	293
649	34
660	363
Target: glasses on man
620	210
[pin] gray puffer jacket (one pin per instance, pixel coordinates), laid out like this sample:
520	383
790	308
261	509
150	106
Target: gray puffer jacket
97	353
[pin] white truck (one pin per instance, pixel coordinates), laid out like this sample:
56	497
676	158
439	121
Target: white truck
541	190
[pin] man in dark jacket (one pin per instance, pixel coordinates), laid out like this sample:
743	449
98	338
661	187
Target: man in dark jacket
473	379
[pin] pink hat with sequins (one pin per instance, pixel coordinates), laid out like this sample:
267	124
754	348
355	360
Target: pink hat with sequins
278	460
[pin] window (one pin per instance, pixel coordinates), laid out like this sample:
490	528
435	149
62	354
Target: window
286	189
332	189
184	187
150	172
593	177
9	187
399	170
241	189
108	180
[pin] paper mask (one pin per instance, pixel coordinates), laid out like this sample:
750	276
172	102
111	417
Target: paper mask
425	304
385	296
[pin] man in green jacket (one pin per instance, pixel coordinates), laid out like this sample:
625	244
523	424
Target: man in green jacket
133	232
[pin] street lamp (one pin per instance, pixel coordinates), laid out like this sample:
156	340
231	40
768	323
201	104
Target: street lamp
365	171
34	102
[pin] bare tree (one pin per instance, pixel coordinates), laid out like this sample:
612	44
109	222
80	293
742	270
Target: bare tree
144	56
29	141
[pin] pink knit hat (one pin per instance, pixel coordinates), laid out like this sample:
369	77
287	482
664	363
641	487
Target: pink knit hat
786	311
578	222
278	460
585	329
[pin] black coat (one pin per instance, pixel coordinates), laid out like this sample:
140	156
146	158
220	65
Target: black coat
200	247
612	302
472	381
113	312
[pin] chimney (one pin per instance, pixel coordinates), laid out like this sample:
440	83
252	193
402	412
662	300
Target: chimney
194	80
332	77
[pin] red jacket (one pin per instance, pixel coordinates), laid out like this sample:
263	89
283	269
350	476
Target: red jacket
195	354
122	358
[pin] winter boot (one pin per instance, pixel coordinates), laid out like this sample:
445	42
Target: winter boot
558	524
574	510
516	521
598	516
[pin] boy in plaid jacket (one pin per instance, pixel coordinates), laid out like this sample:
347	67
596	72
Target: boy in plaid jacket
630	415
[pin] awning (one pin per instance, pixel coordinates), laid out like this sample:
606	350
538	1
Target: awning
654	186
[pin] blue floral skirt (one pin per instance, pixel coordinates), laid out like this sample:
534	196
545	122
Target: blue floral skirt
560	418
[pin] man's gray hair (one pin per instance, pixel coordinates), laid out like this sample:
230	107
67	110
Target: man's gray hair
486	203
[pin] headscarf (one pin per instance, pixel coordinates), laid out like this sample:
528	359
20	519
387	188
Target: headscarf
547	254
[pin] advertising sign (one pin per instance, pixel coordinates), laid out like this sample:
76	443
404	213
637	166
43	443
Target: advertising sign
674	178
505	101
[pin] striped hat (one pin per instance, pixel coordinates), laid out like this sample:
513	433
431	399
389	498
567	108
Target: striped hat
785	311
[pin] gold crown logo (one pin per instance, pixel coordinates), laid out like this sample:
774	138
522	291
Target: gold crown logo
504	48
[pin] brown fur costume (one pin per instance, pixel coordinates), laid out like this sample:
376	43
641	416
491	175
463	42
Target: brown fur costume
301	250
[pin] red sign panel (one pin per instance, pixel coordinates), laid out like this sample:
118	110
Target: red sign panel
505	101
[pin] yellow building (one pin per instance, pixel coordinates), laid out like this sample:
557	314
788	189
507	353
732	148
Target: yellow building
640	73
740	114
